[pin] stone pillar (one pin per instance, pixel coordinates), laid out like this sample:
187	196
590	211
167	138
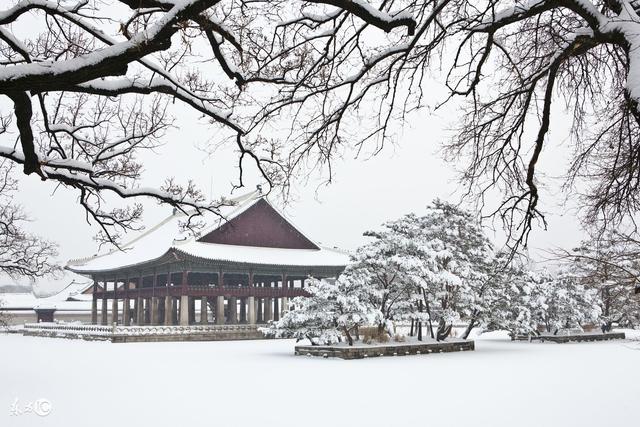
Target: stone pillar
243	310
126	313
114	310
168	310
268	310
94	310
285	306
174	311
192	310
104	311
220	310
140	311
147	311
252	310
184	310
154	311
135	310
203	311
232	302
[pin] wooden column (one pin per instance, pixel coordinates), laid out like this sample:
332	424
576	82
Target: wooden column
125	303
232	303
94	303
243	310
168	310
268	310
174	311
140	311
155	301
104	303
220	310
192	310
114	302
252	310
203	311
184	301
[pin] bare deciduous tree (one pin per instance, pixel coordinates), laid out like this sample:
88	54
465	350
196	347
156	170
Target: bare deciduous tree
92	87
22	254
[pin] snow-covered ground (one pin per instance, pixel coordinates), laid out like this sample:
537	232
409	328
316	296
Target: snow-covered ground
261	383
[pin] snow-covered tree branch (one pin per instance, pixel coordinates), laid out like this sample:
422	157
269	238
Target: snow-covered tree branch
331	73
22	254
93	85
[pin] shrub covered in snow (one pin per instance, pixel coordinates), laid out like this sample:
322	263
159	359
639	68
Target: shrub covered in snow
436	269
333	311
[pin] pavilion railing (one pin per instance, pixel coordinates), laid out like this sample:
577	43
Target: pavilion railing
102	330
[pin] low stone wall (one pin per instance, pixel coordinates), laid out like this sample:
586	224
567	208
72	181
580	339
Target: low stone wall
561	339
231	335
121	334
391	349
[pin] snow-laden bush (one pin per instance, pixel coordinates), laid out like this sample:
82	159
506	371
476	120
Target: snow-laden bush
436	269
332	312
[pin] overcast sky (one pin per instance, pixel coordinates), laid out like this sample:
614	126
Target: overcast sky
403	178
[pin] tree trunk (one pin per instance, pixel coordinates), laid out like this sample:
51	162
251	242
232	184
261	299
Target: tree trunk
348	335
426	303
467	331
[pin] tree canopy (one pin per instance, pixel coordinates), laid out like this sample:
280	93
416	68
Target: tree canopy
92	83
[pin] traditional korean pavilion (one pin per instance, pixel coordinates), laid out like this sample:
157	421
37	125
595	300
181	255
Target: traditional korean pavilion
242	268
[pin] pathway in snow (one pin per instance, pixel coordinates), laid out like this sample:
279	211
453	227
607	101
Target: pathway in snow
261	383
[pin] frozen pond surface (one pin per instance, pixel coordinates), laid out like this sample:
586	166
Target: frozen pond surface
261	383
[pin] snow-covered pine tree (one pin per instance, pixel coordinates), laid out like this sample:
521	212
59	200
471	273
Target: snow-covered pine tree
444	251
333	311
609	264
559	301
381	267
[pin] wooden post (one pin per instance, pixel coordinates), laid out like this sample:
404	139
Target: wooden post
184	301
232	303
243	310
114	302
155	303
140	311
94	303
104	303
168	309
125	303
220	310
192	310
203	311
252	310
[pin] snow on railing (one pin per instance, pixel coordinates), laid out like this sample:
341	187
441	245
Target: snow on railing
83	329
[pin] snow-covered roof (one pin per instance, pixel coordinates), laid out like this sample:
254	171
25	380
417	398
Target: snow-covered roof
169	236
28	301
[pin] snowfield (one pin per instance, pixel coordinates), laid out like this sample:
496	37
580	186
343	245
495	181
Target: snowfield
261	383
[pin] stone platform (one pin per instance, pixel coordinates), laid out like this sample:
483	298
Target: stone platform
360	351
561	339
121	334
